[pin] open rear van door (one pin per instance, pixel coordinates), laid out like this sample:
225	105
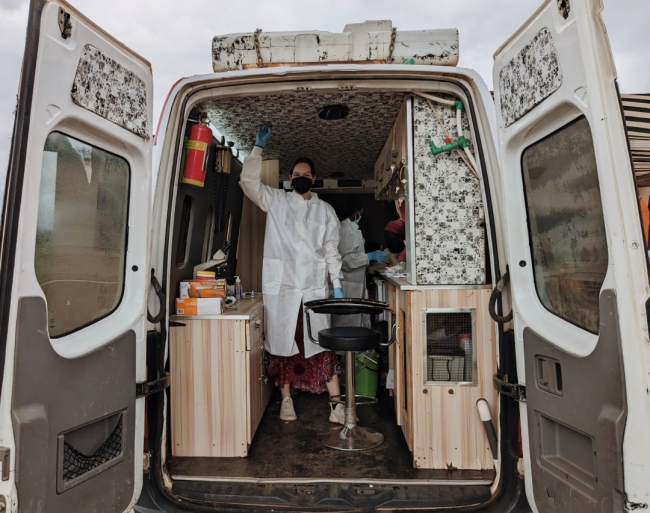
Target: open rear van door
577	264
74	277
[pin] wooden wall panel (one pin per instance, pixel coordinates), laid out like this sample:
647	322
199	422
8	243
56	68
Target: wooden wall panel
208	374
447	430
250	250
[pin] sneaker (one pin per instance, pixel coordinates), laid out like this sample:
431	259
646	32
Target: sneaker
337	415
286	409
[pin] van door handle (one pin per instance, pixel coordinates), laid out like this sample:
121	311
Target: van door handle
161	298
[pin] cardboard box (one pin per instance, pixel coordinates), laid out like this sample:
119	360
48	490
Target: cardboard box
199	306
203	289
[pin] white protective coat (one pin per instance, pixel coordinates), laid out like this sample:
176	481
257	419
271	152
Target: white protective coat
355	260
300	249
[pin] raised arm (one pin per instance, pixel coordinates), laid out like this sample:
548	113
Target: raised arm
251	176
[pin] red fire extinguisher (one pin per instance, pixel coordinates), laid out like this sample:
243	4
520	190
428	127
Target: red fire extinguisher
196	158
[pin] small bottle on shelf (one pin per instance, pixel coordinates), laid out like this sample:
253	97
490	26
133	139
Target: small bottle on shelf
238	290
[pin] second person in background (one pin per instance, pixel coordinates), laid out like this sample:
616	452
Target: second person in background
354	260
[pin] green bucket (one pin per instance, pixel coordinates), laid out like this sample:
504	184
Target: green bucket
366	376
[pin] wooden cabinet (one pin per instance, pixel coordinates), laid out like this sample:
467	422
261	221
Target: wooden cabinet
218	386
440	421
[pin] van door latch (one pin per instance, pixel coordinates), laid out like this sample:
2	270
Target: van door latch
152	387
517	392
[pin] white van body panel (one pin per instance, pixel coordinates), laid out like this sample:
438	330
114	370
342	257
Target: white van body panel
53	109
584	86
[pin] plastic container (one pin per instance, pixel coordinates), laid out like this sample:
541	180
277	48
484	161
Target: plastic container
205	275
466	346
366	374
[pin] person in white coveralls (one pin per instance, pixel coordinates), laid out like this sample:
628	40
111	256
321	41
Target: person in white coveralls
354	260
300	252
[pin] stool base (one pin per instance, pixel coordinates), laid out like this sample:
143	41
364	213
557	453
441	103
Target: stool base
354	438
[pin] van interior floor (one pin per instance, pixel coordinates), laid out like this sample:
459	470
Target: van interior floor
290	450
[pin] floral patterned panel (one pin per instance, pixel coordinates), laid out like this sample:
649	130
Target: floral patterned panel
529	78
449	214
108	89
349	146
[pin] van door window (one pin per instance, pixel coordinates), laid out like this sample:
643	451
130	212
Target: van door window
566	224
81	235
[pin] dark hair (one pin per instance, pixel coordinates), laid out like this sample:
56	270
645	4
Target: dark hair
347	207
303	160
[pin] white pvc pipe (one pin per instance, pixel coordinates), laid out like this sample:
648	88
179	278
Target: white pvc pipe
436	99
471	160
459	125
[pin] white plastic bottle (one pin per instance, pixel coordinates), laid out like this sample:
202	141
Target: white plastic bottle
238	290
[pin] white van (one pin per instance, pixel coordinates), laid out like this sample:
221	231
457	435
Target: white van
109	399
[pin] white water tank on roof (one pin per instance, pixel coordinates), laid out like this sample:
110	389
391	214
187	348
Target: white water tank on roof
368	42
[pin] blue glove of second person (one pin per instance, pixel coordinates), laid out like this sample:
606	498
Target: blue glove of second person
377	256
338	293
263	135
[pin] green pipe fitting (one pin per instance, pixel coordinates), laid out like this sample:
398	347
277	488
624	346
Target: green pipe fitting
460	143
458	104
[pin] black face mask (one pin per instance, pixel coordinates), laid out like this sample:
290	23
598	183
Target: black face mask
301	184
395	246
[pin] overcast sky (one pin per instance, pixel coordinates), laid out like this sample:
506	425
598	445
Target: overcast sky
175	36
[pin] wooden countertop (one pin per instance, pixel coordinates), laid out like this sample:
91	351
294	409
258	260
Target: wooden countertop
403	284
243	310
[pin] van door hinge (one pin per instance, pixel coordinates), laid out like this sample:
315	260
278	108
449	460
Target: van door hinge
517	392
5	452
152	387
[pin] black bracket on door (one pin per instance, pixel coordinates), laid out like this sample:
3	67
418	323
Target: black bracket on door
152	387
517	392
161	297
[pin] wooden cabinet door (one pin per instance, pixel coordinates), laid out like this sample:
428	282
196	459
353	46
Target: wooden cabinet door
255	400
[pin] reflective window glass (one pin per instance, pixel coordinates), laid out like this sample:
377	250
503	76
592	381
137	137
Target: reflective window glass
81	236
566	223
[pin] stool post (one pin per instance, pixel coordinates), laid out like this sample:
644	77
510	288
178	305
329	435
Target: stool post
350	400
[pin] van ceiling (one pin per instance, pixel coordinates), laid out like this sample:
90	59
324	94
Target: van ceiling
350	146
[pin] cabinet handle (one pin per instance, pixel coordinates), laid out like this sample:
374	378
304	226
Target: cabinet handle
257	324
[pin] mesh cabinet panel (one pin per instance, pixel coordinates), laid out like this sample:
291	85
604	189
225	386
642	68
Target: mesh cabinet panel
450	350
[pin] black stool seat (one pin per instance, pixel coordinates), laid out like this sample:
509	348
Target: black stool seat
349	338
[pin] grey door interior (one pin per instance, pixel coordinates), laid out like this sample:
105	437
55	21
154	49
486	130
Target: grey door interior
73	421
576	417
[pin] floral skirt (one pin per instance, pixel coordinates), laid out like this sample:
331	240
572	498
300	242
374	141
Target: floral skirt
307	374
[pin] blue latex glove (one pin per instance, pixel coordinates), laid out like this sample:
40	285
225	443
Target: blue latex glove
377	256
263	134
338	293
